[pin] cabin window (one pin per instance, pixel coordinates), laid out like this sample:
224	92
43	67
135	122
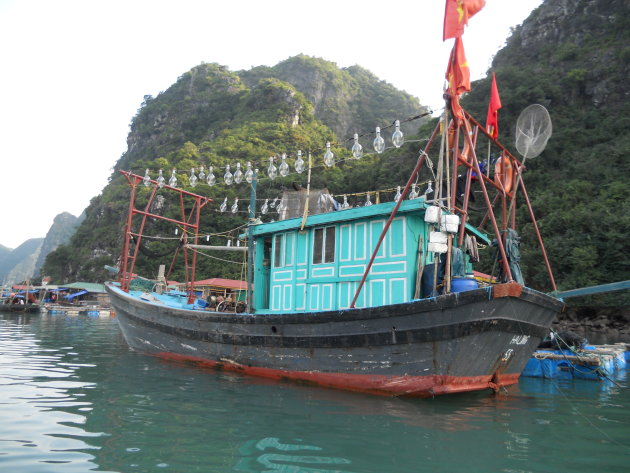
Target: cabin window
324	245
277	254
284	248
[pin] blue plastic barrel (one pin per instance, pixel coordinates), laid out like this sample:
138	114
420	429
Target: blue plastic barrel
463	284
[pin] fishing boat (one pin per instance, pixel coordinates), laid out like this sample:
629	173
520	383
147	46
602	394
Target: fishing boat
380	299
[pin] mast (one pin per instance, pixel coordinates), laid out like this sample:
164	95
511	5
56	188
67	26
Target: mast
250	242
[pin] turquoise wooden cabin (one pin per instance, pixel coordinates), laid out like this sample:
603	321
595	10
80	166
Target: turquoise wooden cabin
320	267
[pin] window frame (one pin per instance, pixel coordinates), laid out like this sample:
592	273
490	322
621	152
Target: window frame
324	251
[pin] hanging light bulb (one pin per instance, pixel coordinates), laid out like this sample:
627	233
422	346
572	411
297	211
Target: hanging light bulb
249	174
223	206
429	189
284	167
238	174
234	208
414	192
272	172
357	149
329	157
193	178
379	142
160	179
345	204
265	207
228	177
273	203
397	137
398	194
146	180
212	179
173	180
176	230
299	162
202	175
368	202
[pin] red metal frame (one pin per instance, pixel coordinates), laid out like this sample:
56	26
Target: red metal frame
472	163
188	223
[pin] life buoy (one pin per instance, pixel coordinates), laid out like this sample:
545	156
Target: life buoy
464	155
504	173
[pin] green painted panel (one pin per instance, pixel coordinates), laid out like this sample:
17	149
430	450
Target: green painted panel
313	297
360	241
287	296
389	267
302	247
376	229
300	296
328	300
397	236
289	249
276	291
345	243
344	294
398	290
376	292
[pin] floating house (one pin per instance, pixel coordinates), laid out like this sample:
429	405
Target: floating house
86	293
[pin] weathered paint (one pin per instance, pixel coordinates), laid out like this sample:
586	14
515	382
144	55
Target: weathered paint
408	386
451	343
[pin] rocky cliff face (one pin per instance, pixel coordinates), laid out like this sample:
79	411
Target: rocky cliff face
584	41
348	100
19	264
25	261
63	227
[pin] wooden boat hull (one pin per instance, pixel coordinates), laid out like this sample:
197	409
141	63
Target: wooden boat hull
474	340
22	308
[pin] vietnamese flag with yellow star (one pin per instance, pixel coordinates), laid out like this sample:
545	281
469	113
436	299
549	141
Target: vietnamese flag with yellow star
456	15
458	76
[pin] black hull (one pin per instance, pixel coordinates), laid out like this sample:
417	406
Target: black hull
466	341
19	308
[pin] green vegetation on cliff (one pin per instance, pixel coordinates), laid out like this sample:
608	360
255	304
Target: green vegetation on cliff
574	60
212	116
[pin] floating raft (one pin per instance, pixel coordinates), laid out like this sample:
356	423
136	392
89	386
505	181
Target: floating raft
90	311
592	362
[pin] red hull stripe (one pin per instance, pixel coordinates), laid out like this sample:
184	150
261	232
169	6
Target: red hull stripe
413	386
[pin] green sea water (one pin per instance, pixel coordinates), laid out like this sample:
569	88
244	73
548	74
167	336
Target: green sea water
74	398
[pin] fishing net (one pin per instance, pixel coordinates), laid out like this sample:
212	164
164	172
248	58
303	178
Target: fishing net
533	129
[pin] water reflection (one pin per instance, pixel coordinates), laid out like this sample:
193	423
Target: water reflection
283	462
76	394
41	402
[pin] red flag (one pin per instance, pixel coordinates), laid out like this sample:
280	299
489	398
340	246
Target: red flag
458	73
456	15
458	76
492	122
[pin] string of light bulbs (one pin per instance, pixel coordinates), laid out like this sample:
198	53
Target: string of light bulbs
283	169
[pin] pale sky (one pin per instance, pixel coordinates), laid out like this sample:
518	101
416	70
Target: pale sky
73	73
